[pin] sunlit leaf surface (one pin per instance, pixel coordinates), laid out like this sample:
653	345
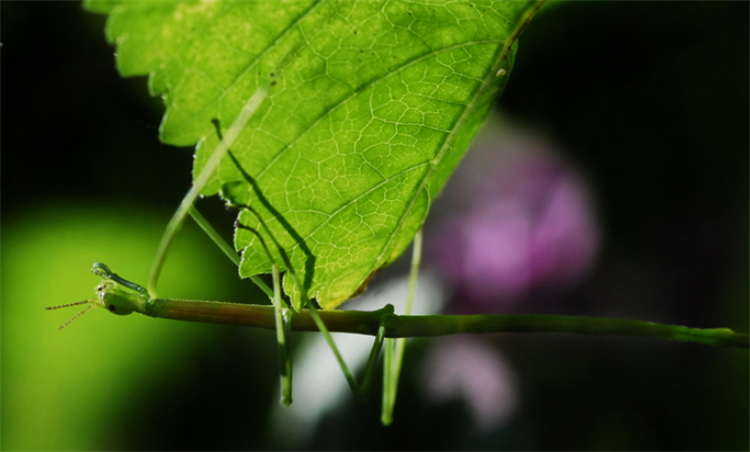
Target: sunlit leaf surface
371	106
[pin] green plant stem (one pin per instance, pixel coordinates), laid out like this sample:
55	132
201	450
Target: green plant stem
187	202
368	323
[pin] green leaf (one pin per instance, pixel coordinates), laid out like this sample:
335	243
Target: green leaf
371	106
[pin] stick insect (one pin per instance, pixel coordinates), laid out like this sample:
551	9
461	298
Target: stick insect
123	297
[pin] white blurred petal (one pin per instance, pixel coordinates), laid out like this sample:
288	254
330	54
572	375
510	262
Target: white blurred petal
469	368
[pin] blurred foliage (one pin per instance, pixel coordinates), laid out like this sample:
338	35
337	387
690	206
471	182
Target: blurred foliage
86	387
651	99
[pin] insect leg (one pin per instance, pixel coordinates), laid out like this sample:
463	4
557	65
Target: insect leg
395	348
226	248
283	318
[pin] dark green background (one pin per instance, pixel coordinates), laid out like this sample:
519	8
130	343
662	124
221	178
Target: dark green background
649	99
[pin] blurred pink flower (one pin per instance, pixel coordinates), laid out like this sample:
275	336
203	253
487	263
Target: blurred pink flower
469	368
524	222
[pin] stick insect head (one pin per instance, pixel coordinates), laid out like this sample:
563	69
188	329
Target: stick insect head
117	299
118	295
114	293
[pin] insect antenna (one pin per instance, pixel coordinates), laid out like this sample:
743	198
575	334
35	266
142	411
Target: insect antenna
76	316
66	305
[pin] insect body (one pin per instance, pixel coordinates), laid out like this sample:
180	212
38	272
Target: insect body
123	297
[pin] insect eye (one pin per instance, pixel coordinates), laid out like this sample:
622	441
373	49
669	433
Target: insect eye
111	308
